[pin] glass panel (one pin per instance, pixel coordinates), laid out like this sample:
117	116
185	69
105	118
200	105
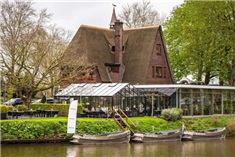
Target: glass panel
158	71
217	104
207	100
185	101
197	104
227	102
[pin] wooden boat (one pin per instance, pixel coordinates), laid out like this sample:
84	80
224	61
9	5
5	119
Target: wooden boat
218	133
160	136
117	137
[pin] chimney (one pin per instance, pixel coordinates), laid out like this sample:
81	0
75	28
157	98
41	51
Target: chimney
118	42
116	69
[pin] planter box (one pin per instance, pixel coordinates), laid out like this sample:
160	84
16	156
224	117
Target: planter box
3	115
78	115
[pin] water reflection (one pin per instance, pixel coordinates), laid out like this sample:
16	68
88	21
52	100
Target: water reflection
214	148
114	150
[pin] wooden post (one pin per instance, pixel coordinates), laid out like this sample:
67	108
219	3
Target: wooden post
152	104
152	96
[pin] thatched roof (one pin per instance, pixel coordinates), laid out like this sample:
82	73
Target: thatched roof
138	52
95	43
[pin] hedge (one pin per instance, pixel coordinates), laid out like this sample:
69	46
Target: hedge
62	108
43	128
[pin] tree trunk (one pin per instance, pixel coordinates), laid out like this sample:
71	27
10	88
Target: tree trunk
207	78
232	77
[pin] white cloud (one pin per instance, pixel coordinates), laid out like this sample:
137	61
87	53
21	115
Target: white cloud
73	13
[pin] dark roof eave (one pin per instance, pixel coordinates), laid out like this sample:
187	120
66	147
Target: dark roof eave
112	64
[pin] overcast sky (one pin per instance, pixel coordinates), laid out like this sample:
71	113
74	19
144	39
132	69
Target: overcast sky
71	14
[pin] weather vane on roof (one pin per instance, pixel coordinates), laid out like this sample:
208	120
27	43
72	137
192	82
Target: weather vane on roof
114	5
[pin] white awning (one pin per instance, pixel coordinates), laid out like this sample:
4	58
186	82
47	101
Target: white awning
164	91
169	89
184	86
92	89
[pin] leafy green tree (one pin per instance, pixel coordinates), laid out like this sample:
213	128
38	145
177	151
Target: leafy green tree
200	41
44	99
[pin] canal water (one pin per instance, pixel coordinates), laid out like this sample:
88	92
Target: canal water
212	148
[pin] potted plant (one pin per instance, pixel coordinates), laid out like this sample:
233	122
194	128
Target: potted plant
3	111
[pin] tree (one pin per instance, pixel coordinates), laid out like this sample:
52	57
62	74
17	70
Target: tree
200	40
140	15
31	49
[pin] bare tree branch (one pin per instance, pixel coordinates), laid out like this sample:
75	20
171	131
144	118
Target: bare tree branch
31	49
140	15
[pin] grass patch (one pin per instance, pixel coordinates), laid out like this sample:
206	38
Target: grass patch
56	127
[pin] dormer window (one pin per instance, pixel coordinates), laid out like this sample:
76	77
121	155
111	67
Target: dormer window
115	69
112	68
113	48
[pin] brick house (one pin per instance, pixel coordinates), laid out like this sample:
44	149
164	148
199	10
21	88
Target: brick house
132	55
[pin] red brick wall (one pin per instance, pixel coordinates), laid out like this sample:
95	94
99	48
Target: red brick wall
159	61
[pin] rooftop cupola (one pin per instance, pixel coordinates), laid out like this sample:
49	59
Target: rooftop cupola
113	19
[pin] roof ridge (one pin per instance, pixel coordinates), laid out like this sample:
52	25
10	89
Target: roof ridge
94	27
107	29
139	28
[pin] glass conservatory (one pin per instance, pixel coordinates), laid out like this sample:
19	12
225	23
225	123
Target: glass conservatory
146	99
193	99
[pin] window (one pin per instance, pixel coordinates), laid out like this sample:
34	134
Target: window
158	71
113	48
158	49
115	69
109	69
91	77
66	71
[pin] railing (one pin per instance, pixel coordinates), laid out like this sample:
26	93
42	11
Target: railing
123	124
127	118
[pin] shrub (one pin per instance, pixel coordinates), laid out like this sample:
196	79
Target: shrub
80	108
172	114
180	112
6	108
3	109
22	108
230	128
62	108
9	108
215	121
